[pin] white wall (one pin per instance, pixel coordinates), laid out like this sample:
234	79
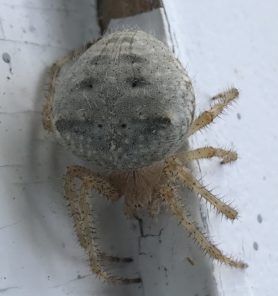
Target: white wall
235	43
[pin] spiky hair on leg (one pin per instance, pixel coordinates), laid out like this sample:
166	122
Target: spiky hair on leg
177	208
207	117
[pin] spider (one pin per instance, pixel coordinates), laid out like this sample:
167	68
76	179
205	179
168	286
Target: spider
126	105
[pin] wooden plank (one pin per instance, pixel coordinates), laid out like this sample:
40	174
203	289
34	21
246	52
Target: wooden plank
107	9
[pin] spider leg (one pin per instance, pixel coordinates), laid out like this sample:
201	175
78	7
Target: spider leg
227	156
52	77
176	170
178	209
84	222
205	118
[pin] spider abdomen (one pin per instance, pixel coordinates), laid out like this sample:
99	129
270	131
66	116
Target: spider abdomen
125	103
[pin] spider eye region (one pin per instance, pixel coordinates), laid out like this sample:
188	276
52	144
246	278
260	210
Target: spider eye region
123	108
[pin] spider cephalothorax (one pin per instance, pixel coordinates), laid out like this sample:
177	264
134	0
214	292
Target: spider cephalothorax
126	105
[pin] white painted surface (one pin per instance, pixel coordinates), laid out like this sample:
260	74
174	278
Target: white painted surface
224	43
39	252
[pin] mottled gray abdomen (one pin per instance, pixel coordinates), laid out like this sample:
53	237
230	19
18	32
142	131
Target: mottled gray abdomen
125	103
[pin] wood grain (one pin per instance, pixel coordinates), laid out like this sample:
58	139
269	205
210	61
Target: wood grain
107	9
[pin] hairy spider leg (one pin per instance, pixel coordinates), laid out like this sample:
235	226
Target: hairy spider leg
227	156
178	209
176	171
207	117
83	219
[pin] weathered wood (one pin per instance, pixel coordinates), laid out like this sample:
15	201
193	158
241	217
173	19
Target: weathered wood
108	9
